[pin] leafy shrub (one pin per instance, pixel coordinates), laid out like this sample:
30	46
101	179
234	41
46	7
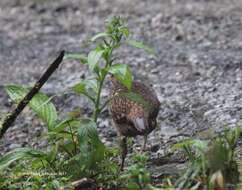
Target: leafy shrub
75	149
211	162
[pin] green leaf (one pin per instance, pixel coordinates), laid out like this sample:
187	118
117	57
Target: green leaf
100	35
133	186
93	58
196	143
125	31
122	73
81	57
63	124
53	153
87	129
91	146
91	84
20	153
79	88
40	103
87	88
141	45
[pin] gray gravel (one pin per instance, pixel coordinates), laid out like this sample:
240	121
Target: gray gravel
197	72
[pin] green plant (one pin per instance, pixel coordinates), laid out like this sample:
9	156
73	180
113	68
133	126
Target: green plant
211	162
75	149
137	176
101	62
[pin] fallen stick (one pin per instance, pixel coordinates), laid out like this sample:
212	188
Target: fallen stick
11	117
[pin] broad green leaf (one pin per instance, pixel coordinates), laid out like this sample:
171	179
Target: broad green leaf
80	88
133	186
122	73
81	57
40	103
91	84
53	153
20	153
91	146
87	129
87	88
141	45
93	58
119	69
86	85
63	124
100	35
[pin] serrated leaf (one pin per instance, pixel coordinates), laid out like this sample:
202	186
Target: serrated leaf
40	103
100	35
19	153
93	58
122	73
141	45
81	57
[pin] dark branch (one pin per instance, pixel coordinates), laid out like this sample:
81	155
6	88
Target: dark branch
10	118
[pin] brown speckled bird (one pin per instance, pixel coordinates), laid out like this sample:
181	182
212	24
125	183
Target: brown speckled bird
133	111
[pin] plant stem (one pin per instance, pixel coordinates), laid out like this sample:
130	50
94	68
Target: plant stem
102	78
72	137
97	102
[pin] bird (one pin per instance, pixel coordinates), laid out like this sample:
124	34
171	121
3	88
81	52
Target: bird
134	112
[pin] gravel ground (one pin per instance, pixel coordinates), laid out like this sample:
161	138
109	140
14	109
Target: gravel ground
197	72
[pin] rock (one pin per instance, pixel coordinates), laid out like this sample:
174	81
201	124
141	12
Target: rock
13	146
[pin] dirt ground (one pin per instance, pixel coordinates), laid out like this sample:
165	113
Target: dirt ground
197	72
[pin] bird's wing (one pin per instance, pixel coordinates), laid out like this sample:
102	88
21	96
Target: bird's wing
138	119
140	123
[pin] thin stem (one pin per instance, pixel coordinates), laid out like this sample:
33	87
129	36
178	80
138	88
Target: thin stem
42	163
108	61
72	137
102	78
97	102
